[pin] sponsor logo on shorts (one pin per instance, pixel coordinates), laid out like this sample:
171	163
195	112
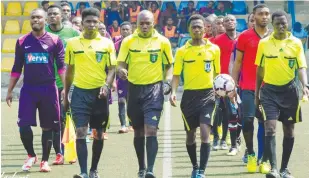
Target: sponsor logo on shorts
290	119
56	122
207	115
154	118
36	58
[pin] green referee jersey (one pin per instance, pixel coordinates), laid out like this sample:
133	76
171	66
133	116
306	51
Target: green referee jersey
64	34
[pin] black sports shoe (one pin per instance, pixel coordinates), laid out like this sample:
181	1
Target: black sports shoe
150	175
286	173
94	174
141	174
273	174
82	175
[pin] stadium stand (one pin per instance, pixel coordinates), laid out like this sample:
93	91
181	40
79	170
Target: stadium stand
13	9
241	25
12	27
182	5
29	6
9	45
163	7
239	8
7	64
26	28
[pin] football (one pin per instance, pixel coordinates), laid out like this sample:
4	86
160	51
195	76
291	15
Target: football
223	84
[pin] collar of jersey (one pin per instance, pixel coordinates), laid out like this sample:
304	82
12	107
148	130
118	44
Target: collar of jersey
188	44
290	36
155	34
98	37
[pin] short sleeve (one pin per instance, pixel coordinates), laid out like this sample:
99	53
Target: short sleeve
167	53
259	59
112	55
124	53
241	43
69	57
178	62
301	59
217	66
19	61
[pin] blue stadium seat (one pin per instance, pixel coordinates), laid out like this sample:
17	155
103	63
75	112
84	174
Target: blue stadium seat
201	4
239	8
163	7
182	41
241	25
87	4
182	5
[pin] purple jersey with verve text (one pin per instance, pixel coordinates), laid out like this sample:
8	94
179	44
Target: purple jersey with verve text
36	56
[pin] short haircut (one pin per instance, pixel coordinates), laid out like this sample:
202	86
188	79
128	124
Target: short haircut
278	13
211	18
259	6
248	18
44	2
39	9
229	16
65	4
195	17
55	6
125	23
90	11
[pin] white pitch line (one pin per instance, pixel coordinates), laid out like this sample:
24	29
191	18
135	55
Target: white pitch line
167	146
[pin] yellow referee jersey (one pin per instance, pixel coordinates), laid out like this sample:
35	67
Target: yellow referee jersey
199	65
90	59
280	58
145	57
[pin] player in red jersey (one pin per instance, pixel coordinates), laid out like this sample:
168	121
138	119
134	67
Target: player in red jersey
245	56
226	43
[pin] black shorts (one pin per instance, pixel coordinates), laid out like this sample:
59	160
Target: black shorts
281	102
145	104
248	108
198	107
87	108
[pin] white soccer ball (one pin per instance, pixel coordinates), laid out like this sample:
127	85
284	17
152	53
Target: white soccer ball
223	84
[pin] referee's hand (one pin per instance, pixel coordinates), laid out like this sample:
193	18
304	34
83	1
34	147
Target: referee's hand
103	92
173	99
123	74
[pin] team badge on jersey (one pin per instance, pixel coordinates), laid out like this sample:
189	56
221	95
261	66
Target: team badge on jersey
207	66
153	58
36	58
291	63
99	56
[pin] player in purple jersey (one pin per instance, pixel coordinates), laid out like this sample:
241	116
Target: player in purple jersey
36	54
122	85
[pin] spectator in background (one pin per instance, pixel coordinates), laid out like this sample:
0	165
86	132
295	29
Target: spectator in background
45	5
82	6
114	29
185	14
134	10
134	26
307	30
102	30
170	11
250	21
156	12
170	30
299	32
66	14
113	13
97	5
222	10
124	11
77	23
217	27
209	9
208	26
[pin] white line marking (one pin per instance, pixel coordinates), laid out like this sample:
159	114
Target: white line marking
167	146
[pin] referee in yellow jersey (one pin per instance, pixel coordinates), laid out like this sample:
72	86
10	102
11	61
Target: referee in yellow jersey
140	61
278	56
199	60
87	57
